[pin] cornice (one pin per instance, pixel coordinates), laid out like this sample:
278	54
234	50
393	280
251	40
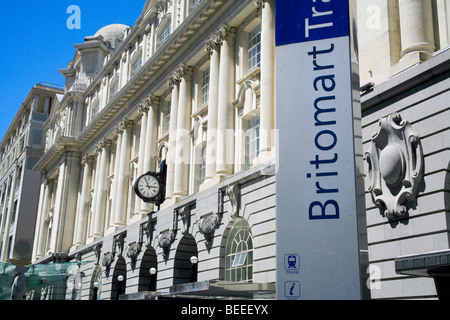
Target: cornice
62	145
181	36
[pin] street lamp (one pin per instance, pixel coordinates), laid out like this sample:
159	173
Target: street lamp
194	268
120	287
152	286
94	297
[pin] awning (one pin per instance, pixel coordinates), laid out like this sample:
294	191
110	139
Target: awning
210	289
430	264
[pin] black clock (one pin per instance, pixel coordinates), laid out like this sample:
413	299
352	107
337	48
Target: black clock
150	187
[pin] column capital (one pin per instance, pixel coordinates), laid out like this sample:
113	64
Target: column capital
181	72
225	32
85	159
218	37
125	124
151	102
143	108
210	45
104	143
260	4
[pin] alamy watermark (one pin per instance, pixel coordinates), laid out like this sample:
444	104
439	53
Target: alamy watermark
74	20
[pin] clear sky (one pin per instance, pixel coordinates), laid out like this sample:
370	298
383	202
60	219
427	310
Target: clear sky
36	42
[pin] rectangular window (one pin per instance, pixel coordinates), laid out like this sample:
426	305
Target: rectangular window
254	48
202	166
252	141
205	87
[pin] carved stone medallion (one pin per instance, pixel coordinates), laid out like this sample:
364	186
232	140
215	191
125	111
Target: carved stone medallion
394	166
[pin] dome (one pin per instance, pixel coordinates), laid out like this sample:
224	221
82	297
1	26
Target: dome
112	33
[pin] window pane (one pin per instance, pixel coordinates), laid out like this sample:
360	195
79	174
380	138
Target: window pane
238	259
254	48
205	87
252	140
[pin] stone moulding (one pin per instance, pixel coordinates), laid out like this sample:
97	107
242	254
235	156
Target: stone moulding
394	166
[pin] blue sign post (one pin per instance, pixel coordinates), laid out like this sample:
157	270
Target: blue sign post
317	189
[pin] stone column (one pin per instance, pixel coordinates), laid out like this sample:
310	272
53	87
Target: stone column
80	238
181	180
213	49
416	27
122	179
225	122
100	205
7	225
174	82
95	194
267	102
118	132
4	210
143	110
151	133
147	144
43	226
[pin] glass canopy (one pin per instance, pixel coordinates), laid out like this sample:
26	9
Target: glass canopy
53	281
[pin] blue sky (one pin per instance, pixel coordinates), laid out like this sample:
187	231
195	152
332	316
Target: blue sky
36	42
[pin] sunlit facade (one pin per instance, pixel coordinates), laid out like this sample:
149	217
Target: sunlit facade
192	86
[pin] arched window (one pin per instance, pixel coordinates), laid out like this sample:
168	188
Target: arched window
95	108
136	63
164	32
239	253
113	88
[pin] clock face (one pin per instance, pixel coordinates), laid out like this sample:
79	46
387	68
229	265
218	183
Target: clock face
148	186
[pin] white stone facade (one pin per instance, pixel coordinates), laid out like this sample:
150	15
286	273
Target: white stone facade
193	83
403	59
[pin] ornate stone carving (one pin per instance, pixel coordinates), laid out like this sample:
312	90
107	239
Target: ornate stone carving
185	214
234	193
163	7
107	260
85	159
259	3
97	250
149	102
118	244
209	224
218	37
133	252
181	72
165	239
394	166
104	143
